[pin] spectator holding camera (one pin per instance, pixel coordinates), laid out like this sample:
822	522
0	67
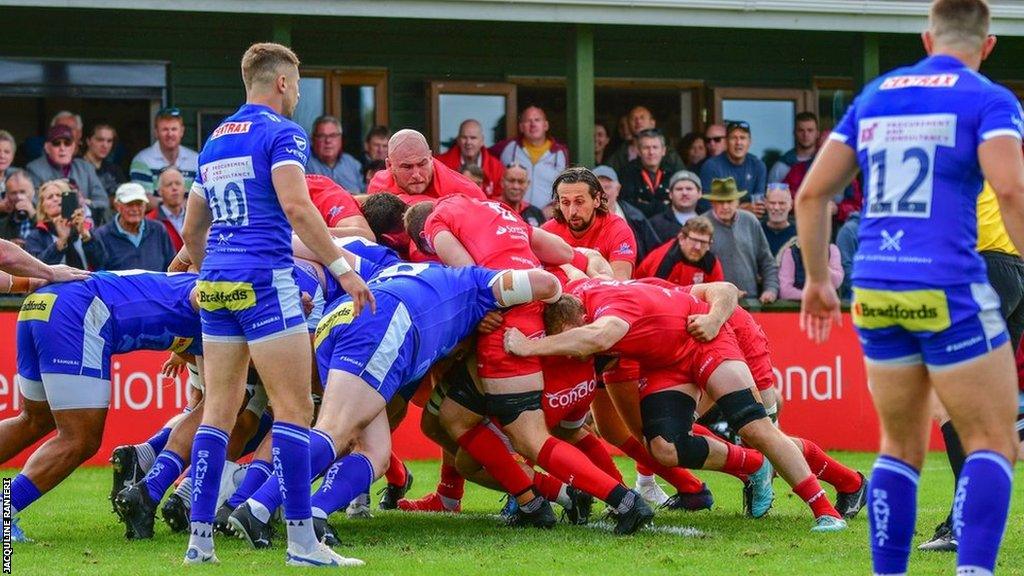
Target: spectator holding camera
17	209
63	236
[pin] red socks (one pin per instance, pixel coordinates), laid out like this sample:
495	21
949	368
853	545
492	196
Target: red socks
594	449
396	471
569	465
641	470
547	486
810	491
740	460
829	469
487	448
452	484
680	478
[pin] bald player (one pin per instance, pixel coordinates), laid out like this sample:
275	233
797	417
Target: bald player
413	174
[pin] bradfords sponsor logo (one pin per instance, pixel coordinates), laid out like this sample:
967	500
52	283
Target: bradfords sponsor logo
224	298
920	81
229	128
230	295
572	396
896	312
37	307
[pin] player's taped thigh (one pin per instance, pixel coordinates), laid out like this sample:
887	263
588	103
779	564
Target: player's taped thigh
514	288
670	414
507	407
741	408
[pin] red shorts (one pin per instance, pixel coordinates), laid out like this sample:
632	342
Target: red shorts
569	389
754	344
624	370
700	360
491	359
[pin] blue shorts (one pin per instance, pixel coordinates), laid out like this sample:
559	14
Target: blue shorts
249	305
910	323
64	348
379	348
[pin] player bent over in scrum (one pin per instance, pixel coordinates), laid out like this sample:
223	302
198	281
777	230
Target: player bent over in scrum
423	312
647	321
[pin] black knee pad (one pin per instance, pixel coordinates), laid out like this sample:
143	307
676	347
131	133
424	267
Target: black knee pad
741	408
507	407
692	451
670	415
463	391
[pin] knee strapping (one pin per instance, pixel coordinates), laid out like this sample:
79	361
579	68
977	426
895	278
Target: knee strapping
507	407
741	408
670	416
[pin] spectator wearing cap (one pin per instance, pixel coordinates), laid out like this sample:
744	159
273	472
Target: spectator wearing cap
778	227
132	242
58	161
740	243
645	180
646	239
514	184
329	158
685	259
166	151
33	147
543	156
171	211
639	119
469	150
684	203
746	170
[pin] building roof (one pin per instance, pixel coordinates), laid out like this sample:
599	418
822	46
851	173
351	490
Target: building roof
900	16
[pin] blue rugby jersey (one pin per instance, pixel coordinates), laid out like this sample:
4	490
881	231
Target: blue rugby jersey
249	229
916	131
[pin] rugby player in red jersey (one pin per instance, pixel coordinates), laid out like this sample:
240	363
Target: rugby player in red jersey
337	207
582	219
463	231
648	321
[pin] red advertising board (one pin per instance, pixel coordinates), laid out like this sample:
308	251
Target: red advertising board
823	388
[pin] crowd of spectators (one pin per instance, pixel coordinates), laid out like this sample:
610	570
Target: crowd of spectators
700	209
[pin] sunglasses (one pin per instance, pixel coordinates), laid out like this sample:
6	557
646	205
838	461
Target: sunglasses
61	143
737	125
715	139
169	112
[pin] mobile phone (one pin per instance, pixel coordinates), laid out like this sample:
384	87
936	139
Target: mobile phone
68	204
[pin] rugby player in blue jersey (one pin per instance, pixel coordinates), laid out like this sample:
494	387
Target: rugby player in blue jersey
66	335
424	311
249	194
923	137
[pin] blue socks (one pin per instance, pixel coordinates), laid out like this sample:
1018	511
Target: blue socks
209	449
980	508
290	455
348	478
892	511
255	475
23	493
321	454
165	470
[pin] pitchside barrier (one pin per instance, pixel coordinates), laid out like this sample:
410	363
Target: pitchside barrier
823	388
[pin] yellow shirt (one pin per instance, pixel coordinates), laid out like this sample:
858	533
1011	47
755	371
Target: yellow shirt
537	152
992	234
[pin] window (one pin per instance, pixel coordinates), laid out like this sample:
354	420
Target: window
834	96
493	104
770	112
358	98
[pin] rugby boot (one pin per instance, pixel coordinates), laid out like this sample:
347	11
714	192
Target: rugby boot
137	510
17	534
124	461
359	507
582	504
542	515
758	493
652	492
325	532
221	522
196	556
638	515
321	556
392	493
176	511
942	541
691	502
249	528
849	503
828	524
430	503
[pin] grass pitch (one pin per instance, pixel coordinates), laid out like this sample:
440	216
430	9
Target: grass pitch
75	532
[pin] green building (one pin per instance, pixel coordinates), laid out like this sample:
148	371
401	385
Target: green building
428	64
